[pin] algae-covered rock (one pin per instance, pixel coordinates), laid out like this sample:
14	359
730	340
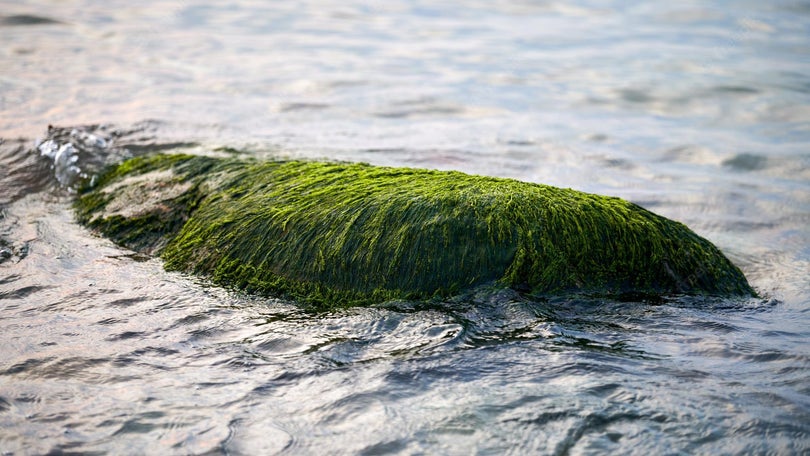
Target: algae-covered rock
335	234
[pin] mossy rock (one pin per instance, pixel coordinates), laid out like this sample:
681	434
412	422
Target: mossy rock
338	234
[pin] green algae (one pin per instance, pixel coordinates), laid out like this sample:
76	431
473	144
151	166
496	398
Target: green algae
112	205
337	234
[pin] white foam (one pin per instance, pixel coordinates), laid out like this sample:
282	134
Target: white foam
64	159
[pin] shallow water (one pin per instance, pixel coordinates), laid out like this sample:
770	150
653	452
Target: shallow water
698	111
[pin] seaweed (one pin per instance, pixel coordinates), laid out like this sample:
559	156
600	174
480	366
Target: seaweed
338	234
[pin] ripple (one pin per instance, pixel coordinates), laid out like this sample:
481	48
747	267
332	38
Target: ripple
254	435
28	366
23	292
421	112
138	425
27	19
50	417
5	405
753	428
282	346
736	90
290	107
746	162
126	302
127	335
25	172
74	367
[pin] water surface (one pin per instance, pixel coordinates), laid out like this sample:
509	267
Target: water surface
699	111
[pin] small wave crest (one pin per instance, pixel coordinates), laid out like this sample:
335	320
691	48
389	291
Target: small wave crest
64	161
64	148
77	154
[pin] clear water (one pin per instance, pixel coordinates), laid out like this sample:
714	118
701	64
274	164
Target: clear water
699	111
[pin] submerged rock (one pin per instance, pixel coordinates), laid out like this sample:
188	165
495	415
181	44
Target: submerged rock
336	234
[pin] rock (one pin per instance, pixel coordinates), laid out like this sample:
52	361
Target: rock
338	234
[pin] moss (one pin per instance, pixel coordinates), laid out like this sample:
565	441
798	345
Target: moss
150	227
335	234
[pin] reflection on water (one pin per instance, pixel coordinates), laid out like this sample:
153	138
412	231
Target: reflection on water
698	112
